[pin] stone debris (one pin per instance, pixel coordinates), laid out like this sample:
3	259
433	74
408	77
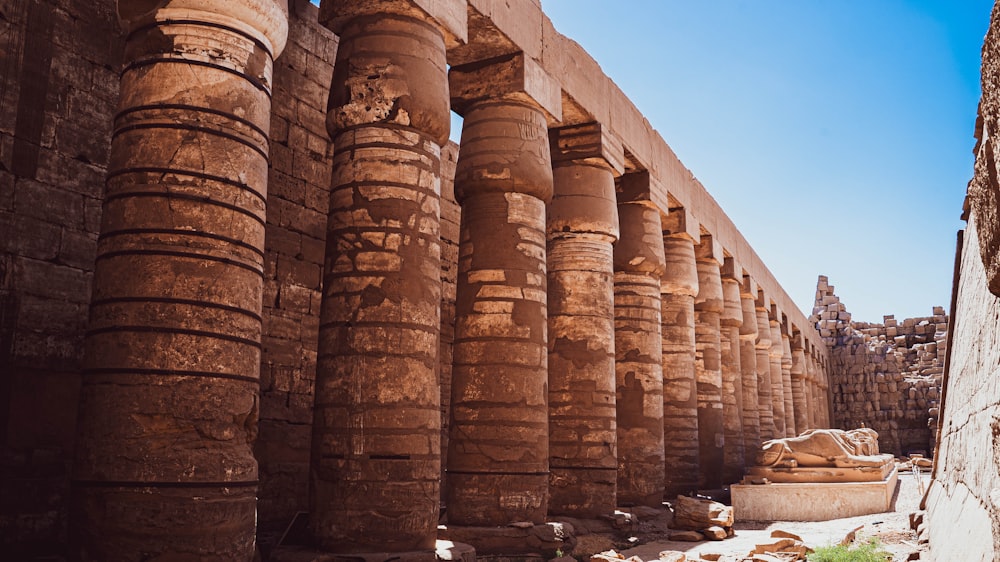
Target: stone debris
884	376
672	556
686	536
713	519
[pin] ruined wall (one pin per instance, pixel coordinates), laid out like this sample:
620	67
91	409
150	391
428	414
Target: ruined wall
58	94
884	376
963	502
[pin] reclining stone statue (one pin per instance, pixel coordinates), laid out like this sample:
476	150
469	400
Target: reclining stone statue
824	448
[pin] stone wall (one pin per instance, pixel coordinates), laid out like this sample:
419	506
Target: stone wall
884	376
58	94
963	501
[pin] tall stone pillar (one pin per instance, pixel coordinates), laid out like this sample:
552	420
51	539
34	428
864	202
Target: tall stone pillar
734	459
708	307
765	389
498	453
678	287
777	381
786	382
748	370
164	465
639	264
377	397
582	228
798	374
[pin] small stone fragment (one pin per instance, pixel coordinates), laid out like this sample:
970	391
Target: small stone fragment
714	533
779	534
672	556
686	536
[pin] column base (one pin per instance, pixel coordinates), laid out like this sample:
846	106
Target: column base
515	542
445	551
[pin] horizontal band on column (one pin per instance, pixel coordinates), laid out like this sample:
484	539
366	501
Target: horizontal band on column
169	300
169	330
181	172
223	27
193	108
186	127
169	373
141	484
391	126
131	231
382	183
374	324
564	467
492	473
176	254
165	60
376	457
394	145
186	197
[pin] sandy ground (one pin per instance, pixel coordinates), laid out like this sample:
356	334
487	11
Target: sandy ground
891	528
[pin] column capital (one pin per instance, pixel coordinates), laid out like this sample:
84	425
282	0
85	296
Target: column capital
590	144
449	16
264	20
680	223
513	77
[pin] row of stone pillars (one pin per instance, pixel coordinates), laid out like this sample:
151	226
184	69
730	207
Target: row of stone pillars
604	353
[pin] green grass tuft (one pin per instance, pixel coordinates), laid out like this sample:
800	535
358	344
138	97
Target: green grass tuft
871	551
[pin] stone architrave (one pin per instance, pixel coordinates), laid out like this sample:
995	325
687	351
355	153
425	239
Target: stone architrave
734	459
678	287
786	383
777	381
639	265
708	306
498	452
582	226
377	400
169	402
798	374
765	404
748	368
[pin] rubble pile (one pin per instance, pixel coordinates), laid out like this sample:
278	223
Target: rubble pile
884	376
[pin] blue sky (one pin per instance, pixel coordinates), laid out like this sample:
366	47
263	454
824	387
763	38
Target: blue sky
838	136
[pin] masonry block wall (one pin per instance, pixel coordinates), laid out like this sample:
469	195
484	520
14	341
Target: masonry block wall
885	376
963	501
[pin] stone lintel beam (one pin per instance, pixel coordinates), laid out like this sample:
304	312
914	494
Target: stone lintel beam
512	77
449	16
590	144
679	222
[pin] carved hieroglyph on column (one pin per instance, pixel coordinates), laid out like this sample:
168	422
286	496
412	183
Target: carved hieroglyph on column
765	404
786	381
708	307
748	367
638	347
164	462
777	381
375	468
582	226
678	287
799	385
732	377
498	454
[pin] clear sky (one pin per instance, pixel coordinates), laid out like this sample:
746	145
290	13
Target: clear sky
837	135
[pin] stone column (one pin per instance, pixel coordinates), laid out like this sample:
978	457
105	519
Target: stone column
748	368
708	307
678	287
377	397
786	382
777	381
582	227
734	459
639	265
164	464
498	454
798	374
765	389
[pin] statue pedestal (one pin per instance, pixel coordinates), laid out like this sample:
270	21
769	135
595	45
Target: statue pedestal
827	496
